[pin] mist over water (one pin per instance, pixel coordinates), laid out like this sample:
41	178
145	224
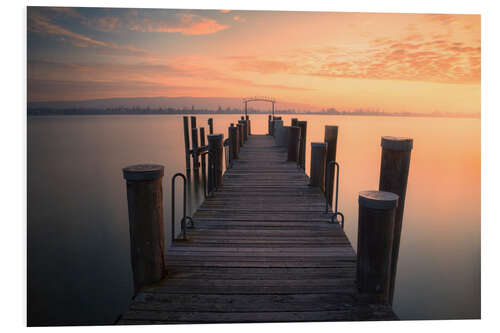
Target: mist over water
78	242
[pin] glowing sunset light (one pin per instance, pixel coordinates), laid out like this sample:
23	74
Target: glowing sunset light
390	62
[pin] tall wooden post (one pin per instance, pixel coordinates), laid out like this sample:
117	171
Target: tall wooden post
248	125
211	125
243	130
240	134
278	124
394	169
216	149
293	143
269	125
194	139
203	164
318	163
303	142
233	136
145	212
331	134
377	210
273	110
186	144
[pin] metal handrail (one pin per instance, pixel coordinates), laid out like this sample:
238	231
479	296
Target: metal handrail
184	217
327	196
204	176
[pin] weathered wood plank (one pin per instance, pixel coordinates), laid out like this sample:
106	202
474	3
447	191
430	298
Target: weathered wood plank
262	250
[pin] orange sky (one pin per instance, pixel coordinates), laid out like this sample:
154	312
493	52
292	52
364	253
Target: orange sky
390	62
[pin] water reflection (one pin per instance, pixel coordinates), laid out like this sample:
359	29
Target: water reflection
78	242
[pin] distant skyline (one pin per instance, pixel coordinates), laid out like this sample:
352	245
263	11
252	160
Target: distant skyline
418	63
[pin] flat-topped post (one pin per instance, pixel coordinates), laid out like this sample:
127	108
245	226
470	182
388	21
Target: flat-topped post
293	143
247	118
318	164
269	125
216	151
211	126
186	144
233	136
394	169
331	134
293	122
303	143
145	213
240	134
377	210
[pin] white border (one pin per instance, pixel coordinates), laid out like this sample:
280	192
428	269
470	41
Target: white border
13	135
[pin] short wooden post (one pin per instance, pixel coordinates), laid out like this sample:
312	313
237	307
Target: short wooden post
318	163
240	134
293	143
145	213
243	130
377	210
394	169
194	139
216	149
271	128
294	122
186	144
211	125
269	125
248	124
233	136
303	142
331	134
278	124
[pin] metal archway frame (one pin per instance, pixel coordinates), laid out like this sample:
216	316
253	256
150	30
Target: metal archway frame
259	99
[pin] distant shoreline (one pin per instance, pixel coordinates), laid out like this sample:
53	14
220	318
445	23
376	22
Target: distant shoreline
112	112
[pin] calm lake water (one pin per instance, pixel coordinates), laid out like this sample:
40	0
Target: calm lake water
78	243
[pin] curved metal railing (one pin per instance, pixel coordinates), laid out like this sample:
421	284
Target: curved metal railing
184	217
329	179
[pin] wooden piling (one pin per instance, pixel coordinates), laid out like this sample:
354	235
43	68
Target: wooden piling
293	143
277	131
216	149
269	125
203	163
211	125
233	136
240	134
303	143
294	122
394	169
248	125
377	210
186	144
194	139
145	211
318	163
243	131
331	134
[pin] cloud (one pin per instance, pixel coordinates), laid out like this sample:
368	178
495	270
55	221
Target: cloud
41	24
239	18
224	10
147	21
410	58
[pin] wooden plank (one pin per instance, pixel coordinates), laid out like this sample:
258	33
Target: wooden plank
262	250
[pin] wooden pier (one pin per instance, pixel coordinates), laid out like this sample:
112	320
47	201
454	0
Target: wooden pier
263	250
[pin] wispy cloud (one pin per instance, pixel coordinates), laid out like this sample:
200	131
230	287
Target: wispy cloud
239	18
184	23
410	58
42	24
